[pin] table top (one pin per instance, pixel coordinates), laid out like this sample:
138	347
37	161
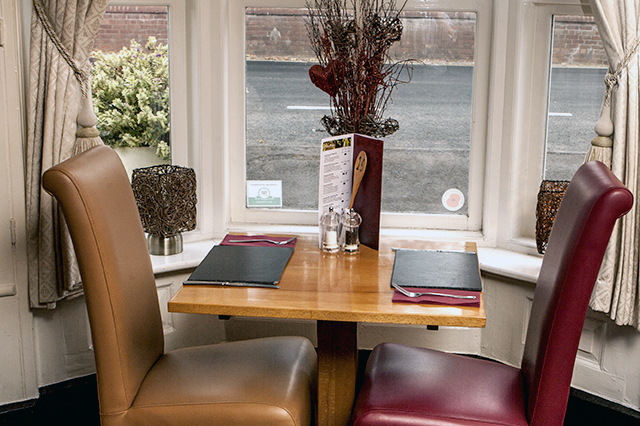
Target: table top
332	287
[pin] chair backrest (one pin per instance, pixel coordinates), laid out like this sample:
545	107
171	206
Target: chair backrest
594	199
97	201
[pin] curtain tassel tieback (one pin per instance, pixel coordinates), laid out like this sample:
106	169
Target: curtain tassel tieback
87	135
85	139
602	145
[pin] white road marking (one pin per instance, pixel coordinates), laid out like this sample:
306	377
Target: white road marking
307	107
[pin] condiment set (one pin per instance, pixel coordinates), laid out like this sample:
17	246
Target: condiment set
340	232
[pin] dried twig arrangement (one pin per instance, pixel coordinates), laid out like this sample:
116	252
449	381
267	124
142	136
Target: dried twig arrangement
352	46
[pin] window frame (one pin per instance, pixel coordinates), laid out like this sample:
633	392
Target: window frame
185	108
526	110
240	216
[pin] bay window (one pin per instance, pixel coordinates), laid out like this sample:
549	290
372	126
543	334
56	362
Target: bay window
488	112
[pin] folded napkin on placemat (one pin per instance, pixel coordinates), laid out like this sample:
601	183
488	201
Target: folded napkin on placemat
226	241
439	300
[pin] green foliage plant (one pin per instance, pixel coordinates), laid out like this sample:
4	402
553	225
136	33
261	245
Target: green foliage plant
131	96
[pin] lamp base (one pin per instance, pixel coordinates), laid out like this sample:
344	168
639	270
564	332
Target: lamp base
164	246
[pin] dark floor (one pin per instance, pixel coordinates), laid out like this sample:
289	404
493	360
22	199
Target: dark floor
586	410
76	403
71	403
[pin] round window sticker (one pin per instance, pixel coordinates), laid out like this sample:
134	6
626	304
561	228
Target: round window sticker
453	199
264	193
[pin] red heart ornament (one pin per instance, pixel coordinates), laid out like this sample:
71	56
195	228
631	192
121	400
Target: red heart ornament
324	79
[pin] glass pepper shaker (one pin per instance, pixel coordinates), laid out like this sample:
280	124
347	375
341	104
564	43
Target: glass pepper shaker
351	231
329	230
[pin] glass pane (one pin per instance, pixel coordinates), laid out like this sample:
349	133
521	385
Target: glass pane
130	84
430	153
426	157
283	107
576	90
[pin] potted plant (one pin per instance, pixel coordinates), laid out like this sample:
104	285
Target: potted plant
130	90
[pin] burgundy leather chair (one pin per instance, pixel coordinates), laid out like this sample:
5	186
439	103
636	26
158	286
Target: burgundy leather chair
268	381
415	386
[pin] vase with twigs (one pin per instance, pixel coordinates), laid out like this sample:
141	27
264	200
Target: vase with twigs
351	40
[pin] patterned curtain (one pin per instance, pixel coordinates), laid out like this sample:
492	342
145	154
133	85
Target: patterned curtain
62	36
616	290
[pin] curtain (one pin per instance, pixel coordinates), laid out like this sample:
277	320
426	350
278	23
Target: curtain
616	290
62	36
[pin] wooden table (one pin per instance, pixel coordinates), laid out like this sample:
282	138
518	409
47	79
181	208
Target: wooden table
338	290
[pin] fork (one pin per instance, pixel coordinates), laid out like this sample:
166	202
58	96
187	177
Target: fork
415	294
256	240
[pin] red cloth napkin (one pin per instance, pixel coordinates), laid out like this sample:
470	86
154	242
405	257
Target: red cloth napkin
439	300
225	241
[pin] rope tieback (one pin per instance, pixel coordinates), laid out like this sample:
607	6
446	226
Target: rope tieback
87	135
611	79
81	76
602	145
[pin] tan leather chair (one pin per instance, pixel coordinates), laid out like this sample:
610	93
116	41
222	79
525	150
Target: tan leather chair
258	382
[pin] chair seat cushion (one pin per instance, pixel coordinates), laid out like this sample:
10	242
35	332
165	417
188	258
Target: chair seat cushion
256	382
414	386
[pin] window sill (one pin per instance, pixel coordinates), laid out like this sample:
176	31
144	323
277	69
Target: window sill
496	261
191	256
509	263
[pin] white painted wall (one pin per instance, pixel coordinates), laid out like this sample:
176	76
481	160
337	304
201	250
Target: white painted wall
17	369
608	361
63	348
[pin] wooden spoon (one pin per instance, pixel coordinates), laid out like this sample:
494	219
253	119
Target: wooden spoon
358	173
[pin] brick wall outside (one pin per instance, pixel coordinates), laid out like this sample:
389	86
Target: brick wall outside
277	34
428	36
280	34
435	37
121	24
577	42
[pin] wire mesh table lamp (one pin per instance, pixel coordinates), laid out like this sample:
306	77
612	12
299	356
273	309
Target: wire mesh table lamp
166	198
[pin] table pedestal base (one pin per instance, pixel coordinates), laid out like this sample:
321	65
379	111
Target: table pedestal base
337	370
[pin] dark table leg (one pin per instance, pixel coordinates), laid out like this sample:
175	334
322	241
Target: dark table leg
337	370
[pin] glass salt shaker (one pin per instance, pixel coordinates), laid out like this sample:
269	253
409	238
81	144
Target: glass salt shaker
351	231
329	229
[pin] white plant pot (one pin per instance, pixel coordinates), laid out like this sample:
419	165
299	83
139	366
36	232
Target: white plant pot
135	158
